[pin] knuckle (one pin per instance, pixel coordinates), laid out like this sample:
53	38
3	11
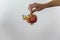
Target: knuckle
35	3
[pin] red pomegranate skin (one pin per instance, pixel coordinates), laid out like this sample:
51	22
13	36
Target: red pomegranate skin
32	19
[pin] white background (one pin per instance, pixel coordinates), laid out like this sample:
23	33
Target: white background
13	27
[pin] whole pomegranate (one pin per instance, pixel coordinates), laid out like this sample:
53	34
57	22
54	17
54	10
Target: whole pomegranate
31	18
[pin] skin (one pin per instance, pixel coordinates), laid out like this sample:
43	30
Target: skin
39	7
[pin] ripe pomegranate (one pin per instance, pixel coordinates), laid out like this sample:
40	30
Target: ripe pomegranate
31	18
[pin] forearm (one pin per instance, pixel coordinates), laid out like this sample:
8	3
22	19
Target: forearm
52	3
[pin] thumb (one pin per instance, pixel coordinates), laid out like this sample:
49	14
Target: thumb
34	10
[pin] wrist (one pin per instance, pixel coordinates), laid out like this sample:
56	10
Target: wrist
50	4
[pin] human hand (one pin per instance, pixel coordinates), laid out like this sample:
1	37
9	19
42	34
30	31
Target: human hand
35	7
